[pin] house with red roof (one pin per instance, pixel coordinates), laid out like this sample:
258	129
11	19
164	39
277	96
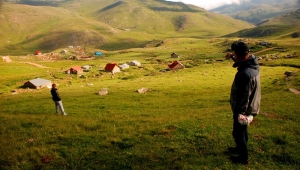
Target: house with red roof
176	65
75	70
38	52
112	67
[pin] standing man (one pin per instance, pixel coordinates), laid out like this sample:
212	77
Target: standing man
57	100
244	98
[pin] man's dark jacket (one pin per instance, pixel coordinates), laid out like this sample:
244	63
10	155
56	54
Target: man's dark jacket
55	95
245	91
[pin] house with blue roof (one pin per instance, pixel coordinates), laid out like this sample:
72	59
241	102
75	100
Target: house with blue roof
97	53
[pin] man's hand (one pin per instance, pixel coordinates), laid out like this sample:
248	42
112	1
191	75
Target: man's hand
228	55
244	119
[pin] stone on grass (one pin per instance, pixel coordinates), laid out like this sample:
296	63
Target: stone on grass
143	90
103	92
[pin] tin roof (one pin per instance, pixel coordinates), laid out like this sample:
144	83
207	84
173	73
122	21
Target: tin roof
38	82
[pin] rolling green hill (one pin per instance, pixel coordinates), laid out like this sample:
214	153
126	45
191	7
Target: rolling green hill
281	27
291	18
108	25
256	11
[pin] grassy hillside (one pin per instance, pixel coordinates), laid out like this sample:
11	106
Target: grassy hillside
28	28
171	18
286	26
108	25
257	11
291	18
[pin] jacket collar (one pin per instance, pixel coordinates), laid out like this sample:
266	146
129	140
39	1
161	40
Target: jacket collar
251	62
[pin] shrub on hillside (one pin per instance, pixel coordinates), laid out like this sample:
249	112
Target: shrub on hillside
189	66
130	77
295	35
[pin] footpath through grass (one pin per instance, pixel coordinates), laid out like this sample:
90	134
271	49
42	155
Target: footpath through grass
183	122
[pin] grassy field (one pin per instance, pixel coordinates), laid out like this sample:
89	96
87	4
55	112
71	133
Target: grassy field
183	122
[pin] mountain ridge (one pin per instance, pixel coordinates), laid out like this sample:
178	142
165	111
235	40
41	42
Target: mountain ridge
285	26
109	25
255	11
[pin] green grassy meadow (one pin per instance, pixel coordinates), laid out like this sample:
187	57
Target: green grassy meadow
184	121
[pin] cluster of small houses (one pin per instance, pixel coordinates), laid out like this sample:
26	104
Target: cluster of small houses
76	53
115	68
110	67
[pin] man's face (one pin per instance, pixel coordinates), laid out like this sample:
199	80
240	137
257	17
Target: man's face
240	58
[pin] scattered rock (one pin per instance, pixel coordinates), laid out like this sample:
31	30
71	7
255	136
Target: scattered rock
15	91
143	90
31	140
103	92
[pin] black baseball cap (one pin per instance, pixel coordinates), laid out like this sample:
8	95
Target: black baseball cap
240	48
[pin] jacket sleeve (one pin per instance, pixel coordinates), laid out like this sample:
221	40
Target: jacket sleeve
243	92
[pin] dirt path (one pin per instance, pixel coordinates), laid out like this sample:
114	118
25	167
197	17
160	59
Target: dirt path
37	65
268	49
295	91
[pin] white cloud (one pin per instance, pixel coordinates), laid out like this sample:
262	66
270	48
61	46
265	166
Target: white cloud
209	4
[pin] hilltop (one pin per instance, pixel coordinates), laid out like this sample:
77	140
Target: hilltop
108	25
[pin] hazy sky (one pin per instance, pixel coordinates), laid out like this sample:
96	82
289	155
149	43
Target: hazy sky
207	4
